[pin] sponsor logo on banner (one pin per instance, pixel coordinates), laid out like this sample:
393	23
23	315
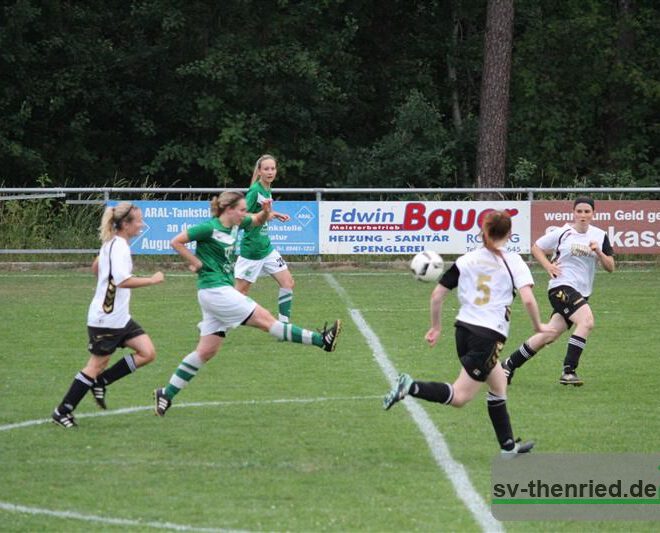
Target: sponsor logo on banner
631	226
300	234
412	227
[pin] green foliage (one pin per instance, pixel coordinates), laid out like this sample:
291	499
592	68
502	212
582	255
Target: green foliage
583	92
193	92
523	174
416	153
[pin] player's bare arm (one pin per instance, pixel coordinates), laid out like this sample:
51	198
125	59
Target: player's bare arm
541	257
179	244
260	218
437	298
606	260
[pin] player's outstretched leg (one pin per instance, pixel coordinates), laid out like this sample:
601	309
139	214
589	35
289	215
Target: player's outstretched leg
518	358
325	338
399	392
188	368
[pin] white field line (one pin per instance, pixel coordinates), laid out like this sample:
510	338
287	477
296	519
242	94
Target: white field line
72	515
128	410
454	470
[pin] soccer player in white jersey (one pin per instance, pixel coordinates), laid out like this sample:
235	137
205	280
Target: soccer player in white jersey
224	307
576	250
109	323
487	279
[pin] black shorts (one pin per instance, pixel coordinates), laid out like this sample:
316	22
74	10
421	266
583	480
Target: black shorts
104	341
478	354
565	301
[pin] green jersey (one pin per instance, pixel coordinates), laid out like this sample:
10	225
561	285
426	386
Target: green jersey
216	250
256	242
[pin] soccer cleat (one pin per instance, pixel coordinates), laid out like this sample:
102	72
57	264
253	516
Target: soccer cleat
163	403
399	392
518	448
330	336
66	420
571	378
98	391
508	372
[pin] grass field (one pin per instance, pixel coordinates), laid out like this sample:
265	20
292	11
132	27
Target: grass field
278	437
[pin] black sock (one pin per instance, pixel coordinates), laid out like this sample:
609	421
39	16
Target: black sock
81	384
499	416
121	368
432	391
520	356
573	352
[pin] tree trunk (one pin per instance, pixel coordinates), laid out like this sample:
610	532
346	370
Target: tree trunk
494	104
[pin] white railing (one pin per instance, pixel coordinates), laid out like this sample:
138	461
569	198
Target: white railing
73	195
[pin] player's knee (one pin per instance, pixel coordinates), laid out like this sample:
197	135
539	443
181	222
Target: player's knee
205	353
287	284
148	356
549	338
261	319
459	400
589	323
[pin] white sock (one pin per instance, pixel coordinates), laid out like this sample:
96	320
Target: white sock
277	330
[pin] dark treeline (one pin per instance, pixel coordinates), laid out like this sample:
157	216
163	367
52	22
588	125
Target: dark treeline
344	93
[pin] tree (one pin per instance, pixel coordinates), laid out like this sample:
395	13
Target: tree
494	106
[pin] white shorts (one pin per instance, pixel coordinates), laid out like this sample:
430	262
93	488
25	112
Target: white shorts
223	308
249	269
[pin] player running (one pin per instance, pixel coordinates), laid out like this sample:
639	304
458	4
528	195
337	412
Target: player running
487	279
577	249
223	307
109	323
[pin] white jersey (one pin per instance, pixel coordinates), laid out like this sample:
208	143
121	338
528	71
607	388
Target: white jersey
485	287
109	308
571	252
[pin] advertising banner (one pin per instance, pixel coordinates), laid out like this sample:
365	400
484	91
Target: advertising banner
165	219
633	226
300	234
412	227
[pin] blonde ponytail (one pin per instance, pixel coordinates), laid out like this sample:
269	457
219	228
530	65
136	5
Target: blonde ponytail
225	200
113	218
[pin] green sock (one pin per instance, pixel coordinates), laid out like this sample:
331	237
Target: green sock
186	370
284	302
293	333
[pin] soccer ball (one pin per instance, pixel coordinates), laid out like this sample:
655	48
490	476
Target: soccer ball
427	266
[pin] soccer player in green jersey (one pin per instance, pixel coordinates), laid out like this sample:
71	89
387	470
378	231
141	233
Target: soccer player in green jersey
223	307
257	252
